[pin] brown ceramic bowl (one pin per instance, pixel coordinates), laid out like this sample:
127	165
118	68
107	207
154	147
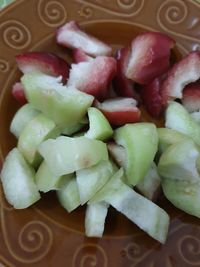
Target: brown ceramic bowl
45	234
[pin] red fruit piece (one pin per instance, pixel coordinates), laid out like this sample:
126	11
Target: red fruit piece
47	63
79	55
119	111
123	86
93	77
151	97
18	93
182	73
71	36
149	57
191	97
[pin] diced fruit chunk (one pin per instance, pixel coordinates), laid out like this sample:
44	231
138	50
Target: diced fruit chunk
140	141
99	126
90	180
141	211
119	111
47	63
149	57
36	131
196	116
68	195
93	77
46	180
18	93
118	153
18	181
179	161
21	118
66	154
178	118
57	102
182	73
95	219
191	97
71	36
79	56
184	195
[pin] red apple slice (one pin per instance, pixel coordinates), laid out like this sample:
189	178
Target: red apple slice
71	36
123	86
191	97
149	57
93	77
18	93
79	55
151	97
119	111
47	63
182	73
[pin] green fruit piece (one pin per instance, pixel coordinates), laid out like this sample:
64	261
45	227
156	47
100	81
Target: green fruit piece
95	219
66	154
72	129
65	106
141	211
90	180
178	118
184	195
179	161
168	137
36	131
150	185
68	195
196	116
22	117
46	180
17	178
99	126
140	141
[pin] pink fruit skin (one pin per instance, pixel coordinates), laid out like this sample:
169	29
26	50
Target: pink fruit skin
149	57
79	55
151	97
70	35
93	77
182	73
191	97
123	86
18	93
47	63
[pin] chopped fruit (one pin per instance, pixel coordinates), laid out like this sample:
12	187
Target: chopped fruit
117	152
93	77
65	106
66	154
122	85
191	97
196	116
71	36
140	141
119	111
95	219
141	211
79	55
181	74
149	57
18	93
99	126
151	97
21	118
47	63
17	178
179	161
178	118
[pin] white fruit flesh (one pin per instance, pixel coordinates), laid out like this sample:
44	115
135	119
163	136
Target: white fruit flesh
65	154
18	181
95	219
21	118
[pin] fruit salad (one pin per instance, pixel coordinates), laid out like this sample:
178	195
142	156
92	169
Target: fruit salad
81	131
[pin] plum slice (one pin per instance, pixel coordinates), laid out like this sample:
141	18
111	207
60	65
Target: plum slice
18	93
191	97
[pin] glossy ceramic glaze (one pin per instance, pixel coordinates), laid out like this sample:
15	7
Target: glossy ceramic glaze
45	234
